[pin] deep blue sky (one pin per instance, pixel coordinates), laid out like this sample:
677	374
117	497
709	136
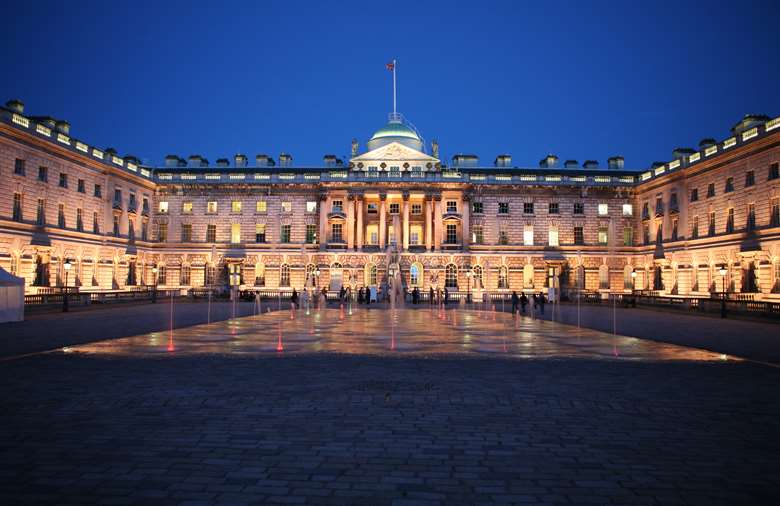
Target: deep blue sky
583	80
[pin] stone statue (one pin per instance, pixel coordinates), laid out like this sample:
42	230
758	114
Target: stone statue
354	147
435	148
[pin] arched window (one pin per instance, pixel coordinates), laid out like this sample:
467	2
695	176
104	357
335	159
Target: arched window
451	276
310	280
628	280
284	275
658	280
336	272
579	277
184	275
161	275
259	274
528	276
603	277
415	275
371	275
503	277
477	270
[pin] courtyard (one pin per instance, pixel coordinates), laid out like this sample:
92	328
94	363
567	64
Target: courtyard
414	406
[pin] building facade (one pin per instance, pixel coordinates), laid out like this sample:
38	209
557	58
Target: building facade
705	222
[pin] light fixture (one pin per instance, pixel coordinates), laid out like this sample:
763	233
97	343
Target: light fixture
723	271
67	265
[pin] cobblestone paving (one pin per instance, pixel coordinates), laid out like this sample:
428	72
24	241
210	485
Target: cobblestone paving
394	429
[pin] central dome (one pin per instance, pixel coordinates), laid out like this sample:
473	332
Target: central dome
395	131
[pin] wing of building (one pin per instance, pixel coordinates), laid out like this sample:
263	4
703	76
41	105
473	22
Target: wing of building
272	225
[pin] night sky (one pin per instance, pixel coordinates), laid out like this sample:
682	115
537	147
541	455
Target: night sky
583	80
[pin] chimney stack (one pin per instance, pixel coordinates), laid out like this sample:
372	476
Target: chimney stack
503	161
570	164
285	160
15	105
615	163
223	162
171	160
240	160
62	127
590	164
548	162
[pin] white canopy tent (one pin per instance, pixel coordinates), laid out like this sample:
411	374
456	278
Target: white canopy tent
11	297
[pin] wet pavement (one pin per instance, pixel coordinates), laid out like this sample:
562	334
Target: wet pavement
400	331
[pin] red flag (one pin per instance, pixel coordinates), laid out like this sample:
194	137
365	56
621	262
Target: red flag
390	66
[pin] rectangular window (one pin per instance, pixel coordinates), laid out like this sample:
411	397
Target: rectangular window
285	233
186	232
710	190
371	208
61	215
477	234
162	232
603	236
528	235
63	180
235	207
260	232
452	206
79	220
695	228
184	275
694	195
415	233
131	203
186	207
628	210
730	221
19	167
646	234
750	178
553	208
503	208
729	187
416	208
162	208
235	233
528	208
43	174
751	217
40	218
116	226
579	237
335	232
674	229
98	191
503	237
476	207
552	236
95	223
774	171
80	186
659	233
395	208
211	207
337	206
628	236
603	209
261	206
211	233
452	233
144	231
711	230
774	213
579	208
311	234
286	207
311	206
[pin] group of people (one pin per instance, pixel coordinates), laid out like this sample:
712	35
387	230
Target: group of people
522	301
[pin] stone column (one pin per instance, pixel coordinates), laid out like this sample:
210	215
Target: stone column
382	220
406	221
465	232
438	223
350	222
323	239
428	222
359	212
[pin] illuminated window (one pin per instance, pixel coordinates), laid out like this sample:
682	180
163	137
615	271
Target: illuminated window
451	276
603	209
603	236
552	236
415	234
211	207
186	208
260	206
503	277
528	235
235	206
286	207
311	206
235	233
371	277
628	210
260	232
163	208
415	275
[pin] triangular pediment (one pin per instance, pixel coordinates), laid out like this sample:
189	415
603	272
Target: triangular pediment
395	151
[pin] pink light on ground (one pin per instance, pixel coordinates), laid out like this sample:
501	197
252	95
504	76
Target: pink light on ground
341	312
279	345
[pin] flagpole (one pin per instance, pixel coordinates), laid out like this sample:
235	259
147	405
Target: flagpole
394	64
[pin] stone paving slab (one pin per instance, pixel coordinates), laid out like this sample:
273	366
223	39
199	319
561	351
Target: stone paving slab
353	429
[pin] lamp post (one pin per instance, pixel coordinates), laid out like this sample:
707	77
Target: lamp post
154	290
67	265
723	271
469	274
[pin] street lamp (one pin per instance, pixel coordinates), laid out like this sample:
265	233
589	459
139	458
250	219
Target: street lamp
67	265
723	271
469	274
316	278
154	290
633	281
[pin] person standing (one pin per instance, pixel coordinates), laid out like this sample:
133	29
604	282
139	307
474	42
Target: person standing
515	301
294	299
431	296
523	301
446	296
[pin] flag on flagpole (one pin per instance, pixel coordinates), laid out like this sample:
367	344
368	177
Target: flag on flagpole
390	66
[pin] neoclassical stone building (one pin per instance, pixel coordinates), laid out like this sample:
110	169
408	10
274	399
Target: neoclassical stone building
394	205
